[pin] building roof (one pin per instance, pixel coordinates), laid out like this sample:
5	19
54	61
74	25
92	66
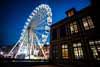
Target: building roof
78	13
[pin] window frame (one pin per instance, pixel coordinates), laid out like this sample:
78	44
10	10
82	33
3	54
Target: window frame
74	27
94	45
87	23
62	31
65	49
78	51
54	34
55	51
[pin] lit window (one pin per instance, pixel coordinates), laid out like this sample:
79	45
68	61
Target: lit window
95	47
64	51
71	13
90	22
97	42
91	43
73	27
95	54
78	50
98	48
87	23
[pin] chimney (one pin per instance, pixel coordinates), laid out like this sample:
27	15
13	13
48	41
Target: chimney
71	12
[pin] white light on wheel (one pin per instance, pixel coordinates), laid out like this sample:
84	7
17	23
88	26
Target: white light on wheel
25	27
21	37
47	28
49	19
33	13
21	34
43	5
40	6
44	36
49	14
23	30
48	43
46	32
30	17
37	8
28	20
27	23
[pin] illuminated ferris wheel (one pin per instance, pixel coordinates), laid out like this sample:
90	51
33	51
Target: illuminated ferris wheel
34	35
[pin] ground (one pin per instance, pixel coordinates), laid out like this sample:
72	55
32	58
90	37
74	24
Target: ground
46	66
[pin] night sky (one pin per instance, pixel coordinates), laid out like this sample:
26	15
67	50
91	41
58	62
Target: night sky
14	13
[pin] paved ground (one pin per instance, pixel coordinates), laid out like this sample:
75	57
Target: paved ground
45	66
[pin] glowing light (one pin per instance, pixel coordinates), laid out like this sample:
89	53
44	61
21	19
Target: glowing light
49	20
37	8
47	28
43	5
1	53
44	37
21	37
48	43
49	13
27	23
25	26
35	11
48	9
21	34
23	30
46	32
30	17
19	40
28	20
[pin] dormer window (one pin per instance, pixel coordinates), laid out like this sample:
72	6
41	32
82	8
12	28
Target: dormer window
70	12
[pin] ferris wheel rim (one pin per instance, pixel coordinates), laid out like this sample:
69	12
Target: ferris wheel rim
49	16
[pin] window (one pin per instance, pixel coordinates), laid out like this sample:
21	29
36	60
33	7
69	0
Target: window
90	22
87	23
95	47
54	34
78	50
65	51
73	27
62	31
71	13
55	51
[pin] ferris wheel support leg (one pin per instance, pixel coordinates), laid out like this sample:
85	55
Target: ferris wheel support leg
18	50
42	51
31	42
13	48
40	45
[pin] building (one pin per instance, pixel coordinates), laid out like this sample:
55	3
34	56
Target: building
76	38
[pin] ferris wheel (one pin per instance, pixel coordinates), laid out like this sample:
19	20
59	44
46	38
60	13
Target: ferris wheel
34	34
